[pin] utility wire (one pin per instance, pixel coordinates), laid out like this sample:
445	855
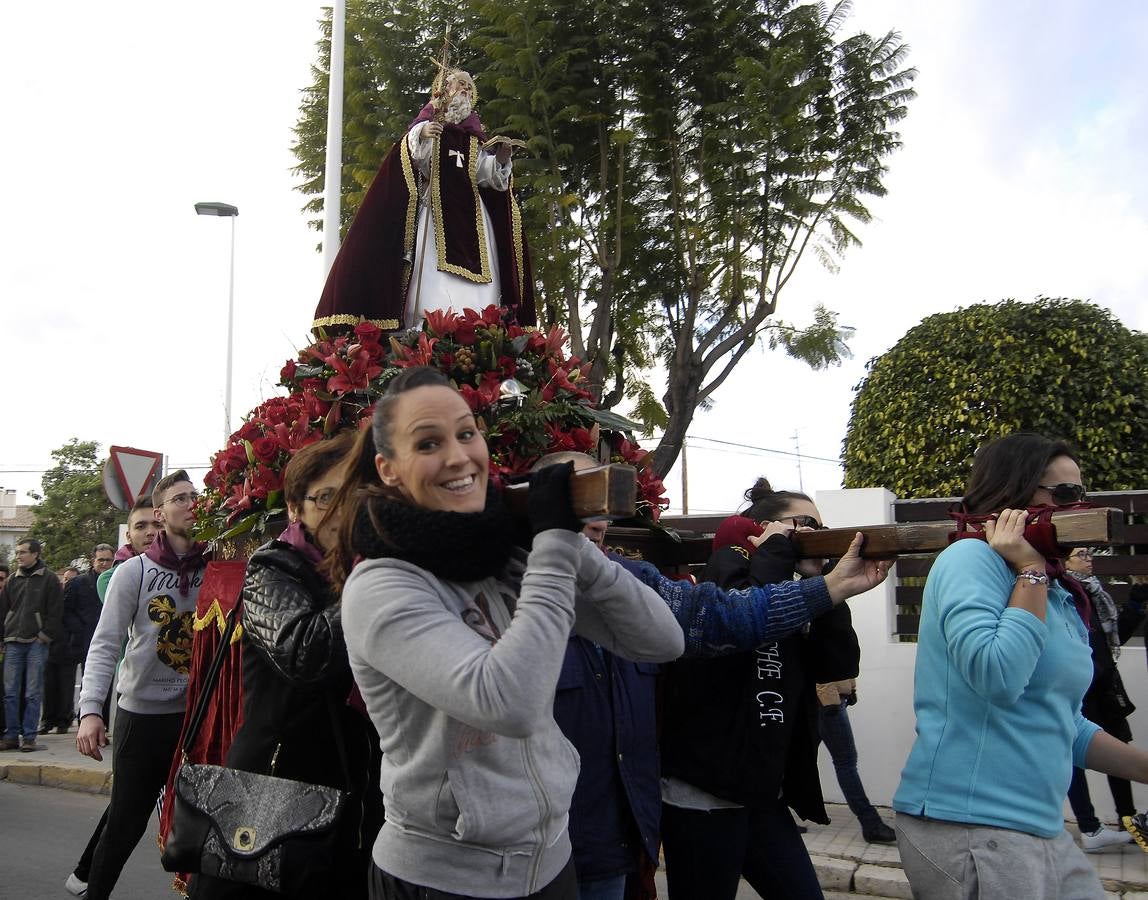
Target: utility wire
696	437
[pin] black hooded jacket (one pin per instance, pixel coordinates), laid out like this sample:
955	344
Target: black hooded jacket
744	727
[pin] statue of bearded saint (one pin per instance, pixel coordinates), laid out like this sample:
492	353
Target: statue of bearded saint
439	228
437	283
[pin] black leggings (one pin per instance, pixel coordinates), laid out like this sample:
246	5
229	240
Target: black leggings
709	852
386	887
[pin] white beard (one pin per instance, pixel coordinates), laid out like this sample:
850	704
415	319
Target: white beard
457	110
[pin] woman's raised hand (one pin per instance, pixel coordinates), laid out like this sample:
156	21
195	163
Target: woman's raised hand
1006	536
770	530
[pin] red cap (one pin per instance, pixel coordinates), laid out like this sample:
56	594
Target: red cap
736	532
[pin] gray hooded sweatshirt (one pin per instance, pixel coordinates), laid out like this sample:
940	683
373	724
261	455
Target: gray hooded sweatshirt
459	679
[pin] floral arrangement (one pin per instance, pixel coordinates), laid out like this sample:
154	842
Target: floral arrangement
529	397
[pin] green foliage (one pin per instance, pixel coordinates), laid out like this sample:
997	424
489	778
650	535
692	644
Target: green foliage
1065	368
74	513
684	155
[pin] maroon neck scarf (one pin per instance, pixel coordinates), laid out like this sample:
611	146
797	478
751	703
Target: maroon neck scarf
296	535
1041	533
160	552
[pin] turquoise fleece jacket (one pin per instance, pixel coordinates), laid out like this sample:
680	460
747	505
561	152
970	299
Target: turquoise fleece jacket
997	695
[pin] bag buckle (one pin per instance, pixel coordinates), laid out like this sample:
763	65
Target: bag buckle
244	838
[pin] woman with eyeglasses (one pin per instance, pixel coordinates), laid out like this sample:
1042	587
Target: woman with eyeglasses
457	634
1106	702
1003	662
297	722
740	733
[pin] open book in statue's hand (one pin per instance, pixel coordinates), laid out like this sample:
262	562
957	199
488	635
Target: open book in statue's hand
493	142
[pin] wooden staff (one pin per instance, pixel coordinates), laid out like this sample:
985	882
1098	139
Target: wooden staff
1074	528
603	492
439	114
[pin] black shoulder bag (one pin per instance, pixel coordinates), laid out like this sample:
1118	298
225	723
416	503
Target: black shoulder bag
246	827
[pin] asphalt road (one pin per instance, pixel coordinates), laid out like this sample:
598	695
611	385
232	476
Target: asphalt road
42	833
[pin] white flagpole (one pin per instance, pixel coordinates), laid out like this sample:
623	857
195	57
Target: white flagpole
334	168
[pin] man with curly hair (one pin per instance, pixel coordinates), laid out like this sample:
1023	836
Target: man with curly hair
150	601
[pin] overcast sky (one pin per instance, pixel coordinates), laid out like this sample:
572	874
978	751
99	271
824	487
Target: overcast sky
1021	174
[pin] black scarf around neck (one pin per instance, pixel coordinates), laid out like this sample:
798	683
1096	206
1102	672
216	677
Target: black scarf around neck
454	546
34	568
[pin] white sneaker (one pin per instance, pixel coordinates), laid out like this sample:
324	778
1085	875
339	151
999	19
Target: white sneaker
75	886
1101	838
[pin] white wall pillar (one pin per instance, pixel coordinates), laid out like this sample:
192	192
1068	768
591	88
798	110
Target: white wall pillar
882	720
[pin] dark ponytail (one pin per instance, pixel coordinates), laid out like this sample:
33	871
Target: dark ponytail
766	504
361	478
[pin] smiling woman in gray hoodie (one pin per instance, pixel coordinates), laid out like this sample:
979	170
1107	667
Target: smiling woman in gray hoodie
456	638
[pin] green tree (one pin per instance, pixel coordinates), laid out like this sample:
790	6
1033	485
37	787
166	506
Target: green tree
685	157
74	514
1065	368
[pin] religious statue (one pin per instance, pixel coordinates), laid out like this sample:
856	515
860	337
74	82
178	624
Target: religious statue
439	227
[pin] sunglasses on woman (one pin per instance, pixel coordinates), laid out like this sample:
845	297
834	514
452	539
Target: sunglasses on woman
1066	493
804	522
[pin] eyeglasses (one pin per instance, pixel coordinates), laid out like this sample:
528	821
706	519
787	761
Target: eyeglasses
804	522
1065	493
1080	554
185	499
322	500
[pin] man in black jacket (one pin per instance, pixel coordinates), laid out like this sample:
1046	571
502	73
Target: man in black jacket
81	613
31	605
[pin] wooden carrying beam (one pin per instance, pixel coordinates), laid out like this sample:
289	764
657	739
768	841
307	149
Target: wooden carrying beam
603	492
1074	528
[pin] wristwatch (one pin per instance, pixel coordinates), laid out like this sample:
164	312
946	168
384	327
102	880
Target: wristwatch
1032	577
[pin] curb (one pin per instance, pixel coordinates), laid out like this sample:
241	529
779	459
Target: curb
69	778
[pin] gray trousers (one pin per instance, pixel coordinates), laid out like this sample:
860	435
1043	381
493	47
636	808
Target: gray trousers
951	861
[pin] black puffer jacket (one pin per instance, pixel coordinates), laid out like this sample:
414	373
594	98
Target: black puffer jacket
295	674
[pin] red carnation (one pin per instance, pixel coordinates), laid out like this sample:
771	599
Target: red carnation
368	332
266	449
248	432
465	335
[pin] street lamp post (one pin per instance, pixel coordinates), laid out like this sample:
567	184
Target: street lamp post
225	209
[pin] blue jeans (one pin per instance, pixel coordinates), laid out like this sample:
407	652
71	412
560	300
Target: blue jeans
838	737
23	673
603	889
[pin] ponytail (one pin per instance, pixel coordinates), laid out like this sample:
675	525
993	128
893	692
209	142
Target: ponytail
361	483
766	504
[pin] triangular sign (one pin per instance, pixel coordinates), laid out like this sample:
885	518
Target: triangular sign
135	470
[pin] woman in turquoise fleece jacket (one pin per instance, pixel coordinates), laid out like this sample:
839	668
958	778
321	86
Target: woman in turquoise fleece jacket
1003	662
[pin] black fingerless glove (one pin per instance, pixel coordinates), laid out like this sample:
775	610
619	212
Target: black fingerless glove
549	499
